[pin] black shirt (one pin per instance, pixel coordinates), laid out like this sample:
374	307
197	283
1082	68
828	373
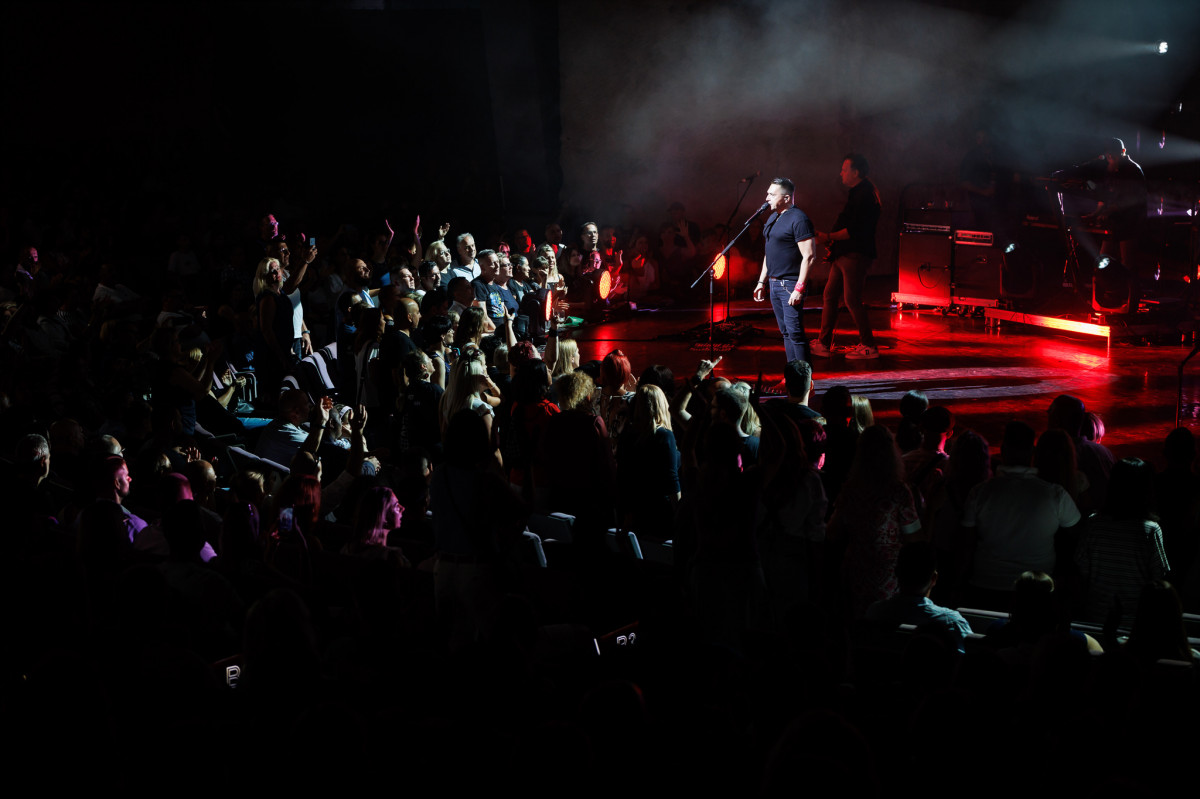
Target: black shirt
782	233
859	218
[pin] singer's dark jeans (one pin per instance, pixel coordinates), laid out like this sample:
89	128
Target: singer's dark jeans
790	318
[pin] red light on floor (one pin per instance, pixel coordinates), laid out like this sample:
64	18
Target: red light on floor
719	267
605	284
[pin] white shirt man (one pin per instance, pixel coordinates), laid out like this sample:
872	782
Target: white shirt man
466	265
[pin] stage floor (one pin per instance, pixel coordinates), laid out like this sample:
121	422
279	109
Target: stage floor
986	375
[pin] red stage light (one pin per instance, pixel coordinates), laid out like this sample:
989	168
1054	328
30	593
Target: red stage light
548	305
605	285
719	268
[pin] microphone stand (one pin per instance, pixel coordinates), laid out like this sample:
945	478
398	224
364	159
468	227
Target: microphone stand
720	255
728	222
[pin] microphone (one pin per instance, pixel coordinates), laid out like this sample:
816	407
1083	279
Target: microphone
749	178
761	208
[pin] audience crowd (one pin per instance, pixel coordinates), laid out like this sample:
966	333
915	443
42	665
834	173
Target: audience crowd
308	511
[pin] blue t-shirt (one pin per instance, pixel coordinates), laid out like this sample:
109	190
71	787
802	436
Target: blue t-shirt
495	299
782	233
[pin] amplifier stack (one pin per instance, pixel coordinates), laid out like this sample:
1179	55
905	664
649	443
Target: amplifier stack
945	268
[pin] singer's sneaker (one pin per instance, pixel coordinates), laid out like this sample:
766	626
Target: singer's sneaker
817	349
863	352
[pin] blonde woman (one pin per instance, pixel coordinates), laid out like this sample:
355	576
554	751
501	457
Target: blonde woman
567	358
275	326
470	388
441	255
864	417
648	466
553	278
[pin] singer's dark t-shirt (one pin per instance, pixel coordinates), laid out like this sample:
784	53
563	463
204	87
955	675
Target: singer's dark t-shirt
781	233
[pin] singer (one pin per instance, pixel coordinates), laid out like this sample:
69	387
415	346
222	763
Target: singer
789	250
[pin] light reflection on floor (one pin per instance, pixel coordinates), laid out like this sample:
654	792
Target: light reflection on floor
986	375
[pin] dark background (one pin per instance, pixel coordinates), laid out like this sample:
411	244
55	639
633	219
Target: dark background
492	114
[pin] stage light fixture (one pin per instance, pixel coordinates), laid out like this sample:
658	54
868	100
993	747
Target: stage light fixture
1162	48
1010	248
1103	263
605	284
719	268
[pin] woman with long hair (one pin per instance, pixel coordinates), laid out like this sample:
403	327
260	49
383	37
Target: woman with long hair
469	388
554	279
731	406
580	473
566	358
648	466
874	515
615	393
377	514
172	382
275	330
531	410
471	327
863	417
571	263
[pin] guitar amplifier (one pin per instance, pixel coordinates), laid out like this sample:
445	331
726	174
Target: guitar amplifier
978	268
925	268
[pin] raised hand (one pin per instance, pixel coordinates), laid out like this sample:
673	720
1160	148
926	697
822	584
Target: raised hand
321	411
358	420
706	367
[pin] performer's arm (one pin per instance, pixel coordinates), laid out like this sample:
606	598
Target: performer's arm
760	287
808	251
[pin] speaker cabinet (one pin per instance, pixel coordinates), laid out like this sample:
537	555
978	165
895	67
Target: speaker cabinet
977	273
925	268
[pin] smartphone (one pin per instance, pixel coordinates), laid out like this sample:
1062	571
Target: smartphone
312	241
286	520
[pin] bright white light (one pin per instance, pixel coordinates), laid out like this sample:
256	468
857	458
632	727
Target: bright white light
1010	248
1162	48
1104	262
